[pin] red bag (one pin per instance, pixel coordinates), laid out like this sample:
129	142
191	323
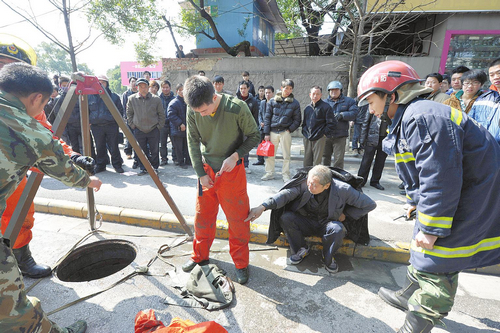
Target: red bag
265	148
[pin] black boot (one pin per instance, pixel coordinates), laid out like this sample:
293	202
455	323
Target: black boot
415	324
27	264
399	299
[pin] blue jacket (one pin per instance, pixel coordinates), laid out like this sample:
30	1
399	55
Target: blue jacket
451	169
282	114
349	110
176	116
314	125
165	101
125	97
486	111
99	113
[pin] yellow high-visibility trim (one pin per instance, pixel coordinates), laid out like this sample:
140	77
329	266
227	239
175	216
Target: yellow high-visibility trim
462	251
408	197
456	116
404	157
436	222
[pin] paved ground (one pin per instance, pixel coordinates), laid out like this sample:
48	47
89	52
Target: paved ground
278	297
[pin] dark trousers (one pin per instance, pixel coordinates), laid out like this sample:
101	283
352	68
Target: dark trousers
180	146
297	227
164	134
356	136
75	137
106	137
378	166
128	147
151	140
261	158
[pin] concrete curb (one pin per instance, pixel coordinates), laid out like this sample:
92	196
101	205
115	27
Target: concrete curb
377	249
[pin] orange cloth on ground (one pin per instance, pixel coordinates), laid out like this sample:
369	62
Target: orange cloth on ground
145	322
230	191
25	233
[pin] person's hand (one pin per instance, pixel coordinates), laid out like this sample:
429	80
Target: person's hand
267	137
408	212
261	124
229	164
87	163
342	217
255	213
95	183
183	127
339	116
425	241
206	181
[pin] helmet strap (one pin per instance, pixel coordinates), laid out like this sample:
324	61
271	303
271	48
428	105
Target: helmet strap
385	116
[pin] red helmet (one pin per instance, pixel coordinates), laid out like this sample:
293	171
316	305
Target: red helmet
386	77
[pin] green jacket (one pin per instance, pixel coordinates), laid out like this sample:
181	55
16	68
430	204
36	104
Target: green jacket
24	143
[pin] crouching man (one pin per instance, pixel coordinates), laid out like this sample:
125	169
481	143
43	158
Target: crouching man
316	207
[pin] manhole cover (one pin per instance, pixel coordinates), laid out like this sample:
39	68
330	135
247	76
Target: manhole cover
96	260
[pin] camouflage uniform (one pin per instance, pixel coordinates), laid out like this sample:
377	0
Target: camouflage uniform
24	142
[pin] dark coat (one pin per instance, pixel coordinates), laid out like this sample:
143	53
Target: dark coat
341	193
314	125
165	101
349	110
99	113
253	104
74	119
176	115
371	131
262	113
282	114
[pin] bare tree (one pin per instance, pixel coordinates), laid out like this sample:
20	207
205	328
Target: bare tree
65	8
312	21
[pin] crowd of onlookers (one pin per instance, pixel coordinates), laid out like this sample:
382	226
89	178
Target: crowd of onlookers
156	113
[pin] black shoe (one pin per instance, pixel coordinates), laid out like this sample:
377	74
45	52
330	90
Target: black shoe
119	170
164	162
142	173
402	192
399	299
78	327
135	165
258	163
414	323
378	186
99	169
401	186
183	166
27	264
242	275
190	264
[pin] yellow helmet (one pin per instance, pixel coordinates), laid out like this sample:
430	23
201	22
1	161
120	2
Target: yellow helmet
17	49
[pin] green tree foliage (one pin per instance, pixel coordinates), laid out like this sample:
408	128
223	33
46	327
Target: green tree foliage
291	15
55	60
115	80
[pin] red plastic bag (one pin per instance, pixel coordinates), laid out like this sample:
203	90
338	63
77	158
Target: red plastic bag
265	148
146	322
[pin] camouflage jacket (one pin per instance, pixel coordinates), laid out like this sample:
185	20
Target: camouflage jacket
24	142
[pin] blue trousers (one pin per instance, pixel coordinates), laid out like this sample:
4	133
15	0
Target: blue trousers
297	227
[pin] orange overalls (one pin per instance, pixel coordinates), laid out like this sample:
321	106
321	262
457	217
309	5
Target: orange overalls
25	234
230	191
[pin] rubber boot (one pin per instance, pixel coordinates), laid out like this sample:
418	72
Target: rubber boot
27	264
79	327
399	299
415	324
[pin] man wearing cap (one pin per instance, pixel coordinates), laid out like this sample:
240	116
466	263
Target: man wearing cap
105	129
437	149
344	111
145	115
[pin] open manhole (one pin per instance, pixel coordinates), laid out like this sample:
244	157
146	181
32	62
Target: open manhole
96	260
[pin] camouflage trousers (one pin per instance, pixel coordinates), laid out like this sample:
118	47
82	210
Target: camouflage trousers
436	295
19	312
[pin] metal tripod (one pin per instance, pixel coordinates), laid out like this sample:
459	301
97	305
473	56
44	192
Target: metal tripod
85	85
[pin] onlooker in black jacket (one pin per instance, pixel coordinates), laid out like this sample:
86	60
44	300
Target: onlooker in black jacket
268	94
166	97
176	117
373	132
282	118
246	77
356	137
345	110
105	129
253	105
314	127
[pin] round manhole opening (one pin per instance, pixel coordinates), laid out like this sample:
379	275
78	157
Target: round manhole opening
96	260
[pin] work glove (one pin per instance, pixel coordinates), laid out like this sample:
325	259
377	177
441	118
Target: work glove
87	163
339	116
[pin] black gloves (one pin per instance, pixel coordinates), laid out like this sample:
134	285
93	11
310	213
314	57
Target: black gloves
85	162
339	116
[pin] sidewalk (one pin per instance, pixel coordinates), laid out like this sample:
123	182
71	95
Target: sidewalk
390	240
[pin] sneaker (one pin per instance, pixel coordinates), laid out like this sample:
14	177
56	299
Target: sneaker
142	173
119	170
286	179
242	275
268	176
258	163
248	171
296	258
333	267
